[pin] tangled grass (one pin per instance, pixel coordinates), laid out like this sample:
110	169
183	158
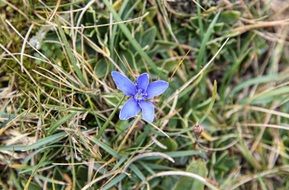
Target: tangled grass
222	124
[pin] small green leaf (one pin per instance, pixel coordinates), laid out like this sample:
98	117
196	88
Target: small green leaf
101	68
148	37
171	144
229	17
197	167
121	126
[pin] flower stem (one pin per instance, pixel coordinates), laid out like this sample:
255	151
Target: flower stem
105	125
128	133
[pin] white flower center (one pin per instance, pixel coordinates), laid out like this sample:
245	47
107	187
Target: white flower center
140	95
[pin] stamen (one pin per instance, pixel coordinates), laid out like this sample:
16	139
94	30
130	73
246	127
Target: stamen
140	95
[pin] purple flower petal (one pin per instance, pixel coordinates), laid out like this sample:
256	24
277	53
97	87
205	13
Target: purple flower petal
157	88
129	109
123	83
142	81
148	111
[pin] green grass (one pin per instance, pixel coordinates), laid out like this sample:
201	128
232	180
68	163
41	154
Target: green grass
227	66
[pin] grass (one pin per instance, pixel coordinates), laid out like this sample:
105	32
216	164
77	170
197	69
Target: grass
222	124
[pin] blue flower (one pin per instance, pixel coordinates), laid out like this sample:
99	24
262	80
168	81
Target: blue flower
139	94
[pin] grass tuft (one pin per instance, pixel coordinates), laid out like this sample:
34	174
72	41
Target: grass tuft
222	124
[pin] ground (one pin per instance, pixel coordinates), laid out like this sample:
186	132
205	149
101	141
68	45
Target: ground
222	123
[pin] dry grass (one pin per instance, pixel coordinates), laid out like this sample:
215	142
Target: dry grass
223	123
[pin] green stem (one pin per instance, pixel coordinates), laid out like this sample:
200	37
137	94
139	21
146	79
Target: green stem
105	125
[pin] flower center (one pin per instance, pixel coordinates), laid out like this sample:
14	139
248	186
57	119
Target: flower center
140	95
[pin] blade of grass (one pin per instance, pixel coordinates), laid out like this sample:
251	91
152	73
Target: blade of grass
113	182
201	55
133	41
137	171
58	123
188	83
105	147
210	107
267	96
70	55
177	154
181	173
257	81
44	141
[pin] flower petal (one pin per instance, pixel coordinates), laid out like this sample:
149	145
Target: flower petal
156	88
123	83
129	109
142	81
148	111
